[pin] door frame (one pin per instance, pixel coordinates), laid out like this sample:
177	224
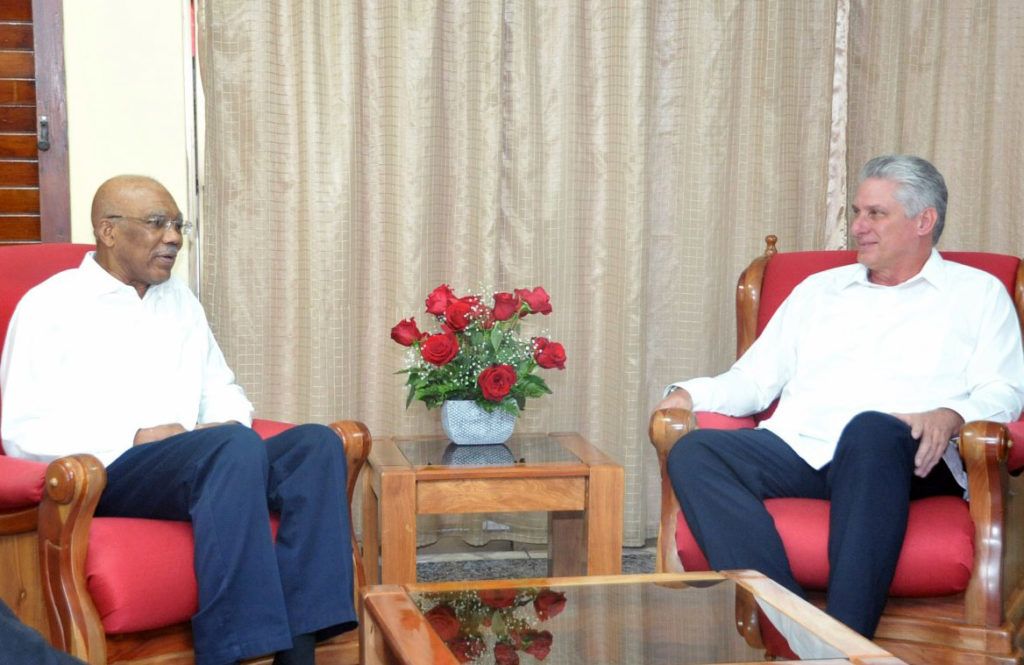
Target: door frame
51	103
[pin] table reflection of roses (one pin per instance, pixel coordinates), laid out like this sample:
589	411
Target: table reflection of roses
509	620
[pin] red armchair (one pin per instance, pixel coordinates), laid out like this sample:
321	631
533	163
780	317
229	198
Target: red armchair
957	596
114	590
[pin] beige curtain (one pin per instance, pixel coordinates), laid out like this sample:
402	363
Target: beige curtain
629	156
946	81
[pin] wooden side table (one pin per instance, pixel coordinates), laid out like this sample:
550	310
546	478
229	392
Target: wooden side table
562	474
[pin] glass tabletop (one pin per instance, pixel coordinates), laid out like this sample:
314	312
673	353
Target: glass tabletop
520	449
648	623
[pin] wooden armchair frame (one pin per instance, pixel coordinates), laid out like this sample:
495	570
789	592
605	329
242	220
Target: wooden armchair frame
52	581
982	625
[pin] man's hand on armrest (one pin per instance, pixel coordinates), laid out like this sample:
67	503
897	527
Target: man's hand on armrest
933	429
679	398
158	433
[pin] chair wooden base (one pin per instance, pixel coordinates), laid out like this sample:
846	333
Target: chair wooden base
933	631
19	561
173	646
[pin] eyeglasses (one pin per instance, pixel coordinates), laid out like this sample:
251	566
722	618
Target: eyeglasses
159	223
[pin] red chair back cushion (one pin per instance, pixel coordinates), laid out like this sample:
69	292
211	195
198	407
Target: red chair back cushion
24	266
139	572
933	561
787	269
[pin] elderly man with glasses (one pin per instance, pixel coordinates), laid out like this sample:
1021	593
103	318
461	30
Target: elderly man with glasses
115	358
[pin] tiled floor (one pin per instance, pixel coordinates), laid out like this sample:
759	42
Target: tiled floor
510	564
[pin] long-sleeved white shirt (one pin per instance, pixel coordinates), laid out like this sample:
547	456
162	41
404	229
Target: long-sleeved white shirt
840	345
87	363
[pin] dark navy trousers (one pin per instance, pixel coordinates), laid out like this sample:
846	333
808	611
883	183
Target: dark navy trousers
20	644
722	477
254	594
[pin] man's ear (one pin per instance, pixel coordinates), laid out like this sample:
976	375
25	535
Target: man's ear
104	232
926	222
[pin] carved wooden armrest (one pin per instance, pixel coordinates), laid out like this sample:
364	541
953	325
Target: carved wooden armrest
357	442
356	439
72	489
984	447
668	426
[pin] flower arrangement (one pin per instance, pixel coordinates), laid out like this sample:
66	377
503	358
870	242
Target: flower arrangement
478	354
501	621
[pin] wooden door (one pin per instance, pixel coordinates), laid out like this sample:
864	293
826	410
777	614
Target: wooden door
34	198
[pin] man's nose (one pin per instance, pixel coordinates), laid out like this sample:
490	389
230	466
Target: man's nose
172	235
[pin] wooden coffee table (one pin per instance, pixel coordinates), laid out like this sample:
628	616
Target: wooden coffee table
562	474
734	617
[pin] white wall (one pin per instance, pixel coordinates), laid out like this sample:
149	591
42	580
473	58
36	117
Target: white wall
126	99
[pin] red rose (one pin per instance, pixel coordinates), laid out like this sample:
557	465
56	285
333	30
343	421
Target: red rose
442	619
466	649
505	654
498	598
548	354
538	644
459	312
549	604
506	305
496	381
439	299
439	349
537	299
406	332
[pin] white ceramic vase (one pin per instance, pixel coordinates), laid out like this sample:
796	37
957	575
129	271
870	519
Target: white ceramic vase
467	424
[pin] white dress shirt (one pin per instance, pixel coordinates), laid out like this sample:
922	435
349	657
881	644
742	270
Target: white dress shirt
87	363
840	345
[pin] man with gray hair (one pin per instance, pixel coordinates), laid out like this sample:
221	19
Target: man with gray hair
876	366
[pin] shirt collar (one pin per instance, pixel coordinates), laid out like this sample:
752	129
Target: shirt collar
933	272
104	283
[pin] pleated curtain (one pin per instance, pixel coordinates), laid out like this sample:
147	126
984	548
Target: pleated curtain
630	156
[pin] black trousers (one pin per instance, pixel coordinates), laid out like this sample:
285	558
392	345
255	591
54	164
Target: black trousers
254	593
722	477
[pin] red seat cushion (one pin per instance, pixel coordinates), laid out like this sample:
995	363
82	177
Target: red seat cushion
711	420
936	560
139	572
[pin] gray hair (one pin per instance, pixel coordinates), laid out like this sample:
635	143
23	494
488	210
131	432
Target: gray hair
921	185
